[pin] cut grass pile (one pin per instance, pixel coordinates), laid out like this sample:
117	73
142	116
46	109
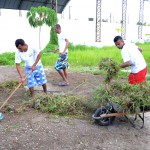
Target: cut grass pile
10	84
129	97
62	105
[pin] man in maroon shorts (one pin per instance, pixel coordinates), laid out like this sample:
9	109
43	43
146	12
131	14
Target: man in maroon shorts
132	56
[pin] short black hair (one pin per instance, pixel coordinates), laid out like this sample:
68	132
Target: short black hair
57	26
117	38
19	42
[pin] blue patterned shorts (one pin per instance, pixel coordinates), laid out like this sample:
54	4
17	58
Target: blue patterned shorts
37	77
62	62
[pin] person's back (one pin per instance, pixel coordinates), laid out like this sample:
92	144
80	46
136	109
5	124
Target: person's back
136	58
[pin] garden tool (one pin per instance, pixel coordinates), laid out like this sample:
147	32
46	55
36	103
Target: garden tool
5	102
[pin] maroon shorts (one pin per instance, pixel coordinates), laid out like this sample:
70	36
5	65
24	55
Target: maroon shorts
136	78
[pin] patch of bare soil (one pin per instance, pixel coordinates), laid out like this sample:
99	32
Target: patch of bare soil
35	130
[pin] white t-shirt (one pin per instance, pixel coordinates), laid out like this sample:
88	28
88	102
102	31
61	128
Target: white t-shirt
29	57
62	42
131	53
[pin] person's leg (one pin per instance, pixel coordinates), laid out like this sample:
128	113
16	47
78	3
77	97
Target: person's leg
131	79
32	92
40	77
61	67
44	88
138	77
62	75
66	73
31	83
141	76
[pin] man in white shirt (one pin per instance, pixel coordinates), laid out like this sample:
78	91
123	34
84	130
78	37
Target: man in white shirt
31	57
62	62
132	56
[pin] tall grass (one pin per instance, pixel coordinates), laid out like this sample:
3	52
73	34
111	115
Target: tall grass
7	58
146	52
91	57
81	56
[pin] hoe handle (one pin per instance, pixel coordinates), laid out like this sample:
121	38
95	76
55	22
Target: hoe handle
4	103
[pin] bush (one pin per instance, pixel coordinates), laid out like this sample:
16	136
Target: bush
53	43
49	47
53	37
7	58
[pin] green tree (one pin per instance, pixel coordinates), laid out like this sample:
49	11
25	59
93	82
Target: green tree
53	34
53	43
37	16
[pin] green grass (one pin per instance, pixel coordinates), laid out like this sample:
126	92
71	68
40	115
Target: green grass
81	56
89	56
7	58
146	52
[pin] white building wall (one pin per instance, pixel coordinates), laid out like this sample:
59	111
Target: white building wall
78	31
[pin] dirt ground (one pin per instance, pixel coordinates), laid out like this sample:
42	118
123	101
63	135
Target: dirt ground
33	130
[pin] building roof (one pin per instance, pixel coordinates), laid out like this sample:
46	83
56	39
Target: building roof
26	4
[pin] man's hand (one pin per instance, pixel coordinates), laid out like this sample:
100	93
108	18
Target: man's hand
54	51
22	80
63	53
125	64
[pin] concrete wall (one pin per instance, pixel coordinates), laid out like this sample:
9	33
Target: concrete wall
78	32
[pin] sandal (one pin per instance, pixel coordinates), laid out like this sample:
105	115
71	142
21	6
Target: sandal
63	83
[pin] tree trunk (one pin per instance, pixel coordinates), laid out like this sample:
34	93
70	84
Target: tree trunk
40	37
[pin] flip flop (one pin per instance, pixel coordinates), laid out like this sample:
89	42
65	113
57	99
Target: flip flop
1	116
63	84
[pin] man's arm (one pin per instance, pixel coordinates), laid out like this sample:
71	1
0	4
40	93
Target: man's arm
66	46
125	64
36	61
55	50
19	70
20	73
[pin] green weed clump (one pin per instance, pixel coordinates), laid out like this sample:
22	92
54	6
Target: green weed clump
62	105
111	67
